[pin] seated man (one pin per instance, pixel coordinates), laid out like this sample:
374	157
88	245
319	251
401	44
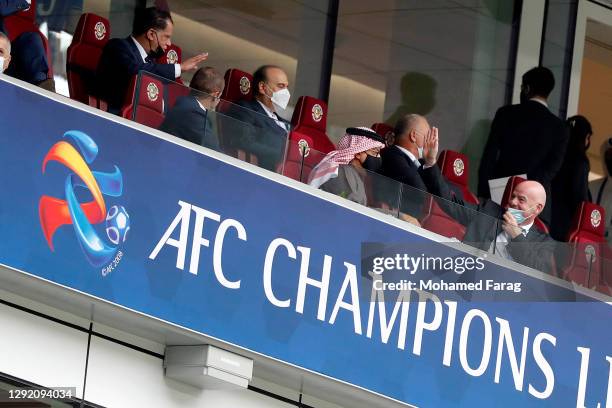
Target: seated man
405	160
341	172
5	52
269	133
29	55
188	118
508	232
121	59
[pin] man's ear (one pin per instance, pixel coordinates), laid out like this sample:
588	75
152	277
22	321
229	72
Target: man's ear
539	208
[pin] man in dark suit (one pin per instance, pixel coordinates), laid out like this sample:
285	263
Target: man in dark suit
509	233
121	59
188	119
526	138
268	131
406	161
29	56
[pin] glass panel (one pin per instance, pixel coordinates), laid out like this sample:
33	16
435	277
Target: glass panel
190	115
448	60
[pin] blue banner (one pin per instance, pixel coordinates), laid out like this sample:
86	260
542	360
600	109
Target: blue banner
173	233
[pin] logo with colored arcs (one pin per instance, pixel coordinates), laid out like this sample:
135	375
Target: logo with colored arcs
76	153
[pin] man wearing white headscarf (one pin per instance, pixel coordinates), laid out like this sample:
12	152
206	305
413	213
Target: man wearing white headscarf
341	171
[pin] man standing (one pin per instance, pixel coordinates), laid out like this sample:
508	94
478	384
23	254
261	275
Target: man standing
189	118
270	92
526	138
121	59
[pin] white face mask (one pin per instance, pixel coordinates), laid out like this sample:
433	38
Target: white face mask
281	98
421	151
1	64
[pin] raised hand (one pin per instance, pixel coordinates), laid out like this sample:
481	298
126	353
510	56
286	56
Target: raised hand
192	63
431	146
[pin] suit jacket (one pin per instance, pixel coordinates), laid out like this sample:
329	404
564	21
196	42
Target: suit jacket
569	188
189	121
525	139
398	166
8	7
484	222
119	62
259	134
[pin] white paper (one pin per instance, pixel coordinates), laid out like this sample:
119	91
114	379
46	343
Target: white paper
497	187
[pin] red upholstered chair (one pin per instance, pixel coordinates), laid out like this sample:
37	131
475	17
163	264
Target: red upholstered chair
513	182
237	88
588	247
308	142
384	130
90	37
24	22
454	167
145	103
173	89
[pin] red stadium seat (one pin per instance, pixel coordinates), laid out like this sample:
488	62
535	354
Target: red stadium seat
385	131
513	182
176	89
237	88
308	142
589	245
25	22
146	106
90	37
455	167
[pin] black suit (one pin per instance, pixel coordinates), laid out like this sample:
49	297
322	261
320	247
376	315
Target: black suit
484	224
260	135
525	139
190	122
119	62
398	166
29	58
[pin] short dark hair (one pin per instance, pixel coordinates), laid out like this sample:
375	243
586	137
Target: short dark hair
150	17
541	81
208	80
261	75
404	123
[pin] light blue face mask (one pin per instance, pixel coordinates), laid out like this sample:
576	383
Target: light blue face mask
519	215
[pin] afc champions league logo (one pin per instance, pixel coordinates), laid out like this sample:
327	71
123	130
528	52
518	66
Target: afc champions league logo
55	212
458	167
317	112
303	148
100	30
595	218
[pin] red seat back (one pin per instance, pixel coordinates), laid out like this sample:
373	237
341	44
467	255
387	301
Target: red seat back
455	167
587	236
90	37
384	130
25	22
173	89
310	118
145	103
237	88
308	142
438	221
513	182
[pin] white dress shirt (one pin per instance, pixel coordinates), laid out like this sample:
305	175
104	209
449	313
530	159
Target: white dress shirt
502	239
413	158
274	116
144	55
539	101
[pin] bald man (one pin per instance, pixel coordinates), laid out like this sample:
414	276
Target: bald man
507	232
